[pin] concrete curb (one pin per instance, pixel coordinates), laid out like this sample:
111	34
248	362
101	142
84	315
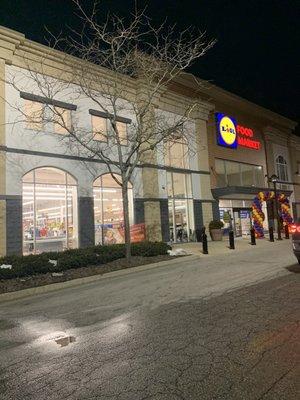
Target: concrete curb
89	279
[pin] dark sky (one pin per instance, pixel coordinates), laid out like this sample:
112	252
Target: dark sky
256	57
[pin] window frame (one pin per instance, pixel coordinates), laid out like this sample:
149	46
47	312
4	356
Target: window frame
99	185
50	102
27	122
225	161
240	173
56	124
33	181
106	129
282	166
109	117
121	140
187	198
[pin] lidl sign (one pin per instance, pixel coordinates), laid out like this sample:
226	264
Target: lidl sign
226	131
231	135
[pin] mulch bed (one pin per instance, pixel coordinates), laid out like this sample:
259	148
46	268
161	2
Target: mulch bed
12	285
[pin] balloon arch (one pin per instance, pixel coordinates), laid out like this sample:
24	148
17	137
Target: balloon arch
258	215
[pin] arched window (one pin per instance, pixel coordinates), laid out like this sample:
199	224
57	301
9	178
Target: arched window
108	209
281	167
49	210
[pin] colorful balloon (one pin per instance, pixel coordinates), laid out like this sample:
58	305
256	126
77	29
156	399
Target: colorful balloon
258	215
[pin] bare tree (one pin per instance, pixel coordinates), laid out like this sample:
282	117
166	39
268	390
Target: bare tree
122	67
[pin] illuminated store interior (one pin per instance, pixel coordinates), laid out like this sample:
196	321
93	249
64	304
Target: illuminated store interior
179	187
181	217
49	211
108	210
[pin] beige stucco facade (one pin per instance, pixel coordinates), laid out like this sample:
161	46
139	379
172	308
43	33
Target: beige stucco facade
151	198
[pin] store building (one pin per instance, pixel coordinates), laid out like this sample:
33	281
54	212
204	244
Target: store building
247	144
53	199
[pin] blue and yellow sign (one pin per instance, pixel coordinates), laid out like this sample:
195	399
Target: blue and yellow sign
226	131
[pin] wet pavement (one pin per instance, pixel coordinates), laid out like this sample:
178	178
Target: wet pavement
116	340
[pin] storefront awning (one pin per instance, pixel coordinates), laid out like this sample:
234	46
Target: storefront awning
243	192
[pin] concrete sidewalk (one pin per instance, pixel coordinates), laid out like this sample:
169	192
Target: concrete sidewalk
180	279
219	248
247	263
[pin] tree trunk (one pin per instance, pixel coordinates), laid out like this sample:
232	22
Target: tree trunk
126	222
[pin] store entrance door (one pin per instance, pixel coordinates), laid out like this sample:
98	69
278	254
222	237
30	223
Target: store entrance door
242	221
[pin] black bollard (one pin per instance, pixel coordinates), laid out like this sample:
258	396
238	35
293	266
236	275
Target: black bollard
287	232
271	234
231	240
204	244
253	241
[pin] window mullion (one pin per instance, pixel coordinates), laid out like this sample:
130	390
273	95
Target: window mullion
101	207
66	211
34	213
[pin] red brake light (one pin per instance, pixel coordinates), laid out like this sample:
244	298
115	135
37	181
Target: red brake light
294	228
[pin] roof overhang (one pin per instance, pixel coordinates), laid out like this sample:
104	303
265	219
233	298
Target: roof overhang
243	192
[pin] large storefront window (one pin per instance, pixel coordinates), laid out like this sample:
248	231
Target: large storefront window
220	173
181	219
179	188
49	211
231	173
236	214
108	210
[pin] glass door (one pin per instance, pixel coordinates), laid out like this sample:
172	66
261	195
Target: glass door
242	221
181	222
245	215
237	222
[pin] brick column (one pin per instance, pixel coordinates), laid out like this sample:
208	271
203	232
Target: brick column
151	205
153	221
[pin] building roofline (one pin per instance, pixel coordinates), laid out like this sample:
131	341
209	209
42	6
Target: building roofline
11	41
214	92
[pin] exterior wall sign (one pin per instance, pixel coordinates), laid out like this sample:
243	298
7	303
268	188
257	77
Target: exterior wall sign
226	131
245	136
245	214
231	135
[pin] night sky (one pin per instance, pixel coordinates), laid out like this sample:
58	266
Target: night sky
256	56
